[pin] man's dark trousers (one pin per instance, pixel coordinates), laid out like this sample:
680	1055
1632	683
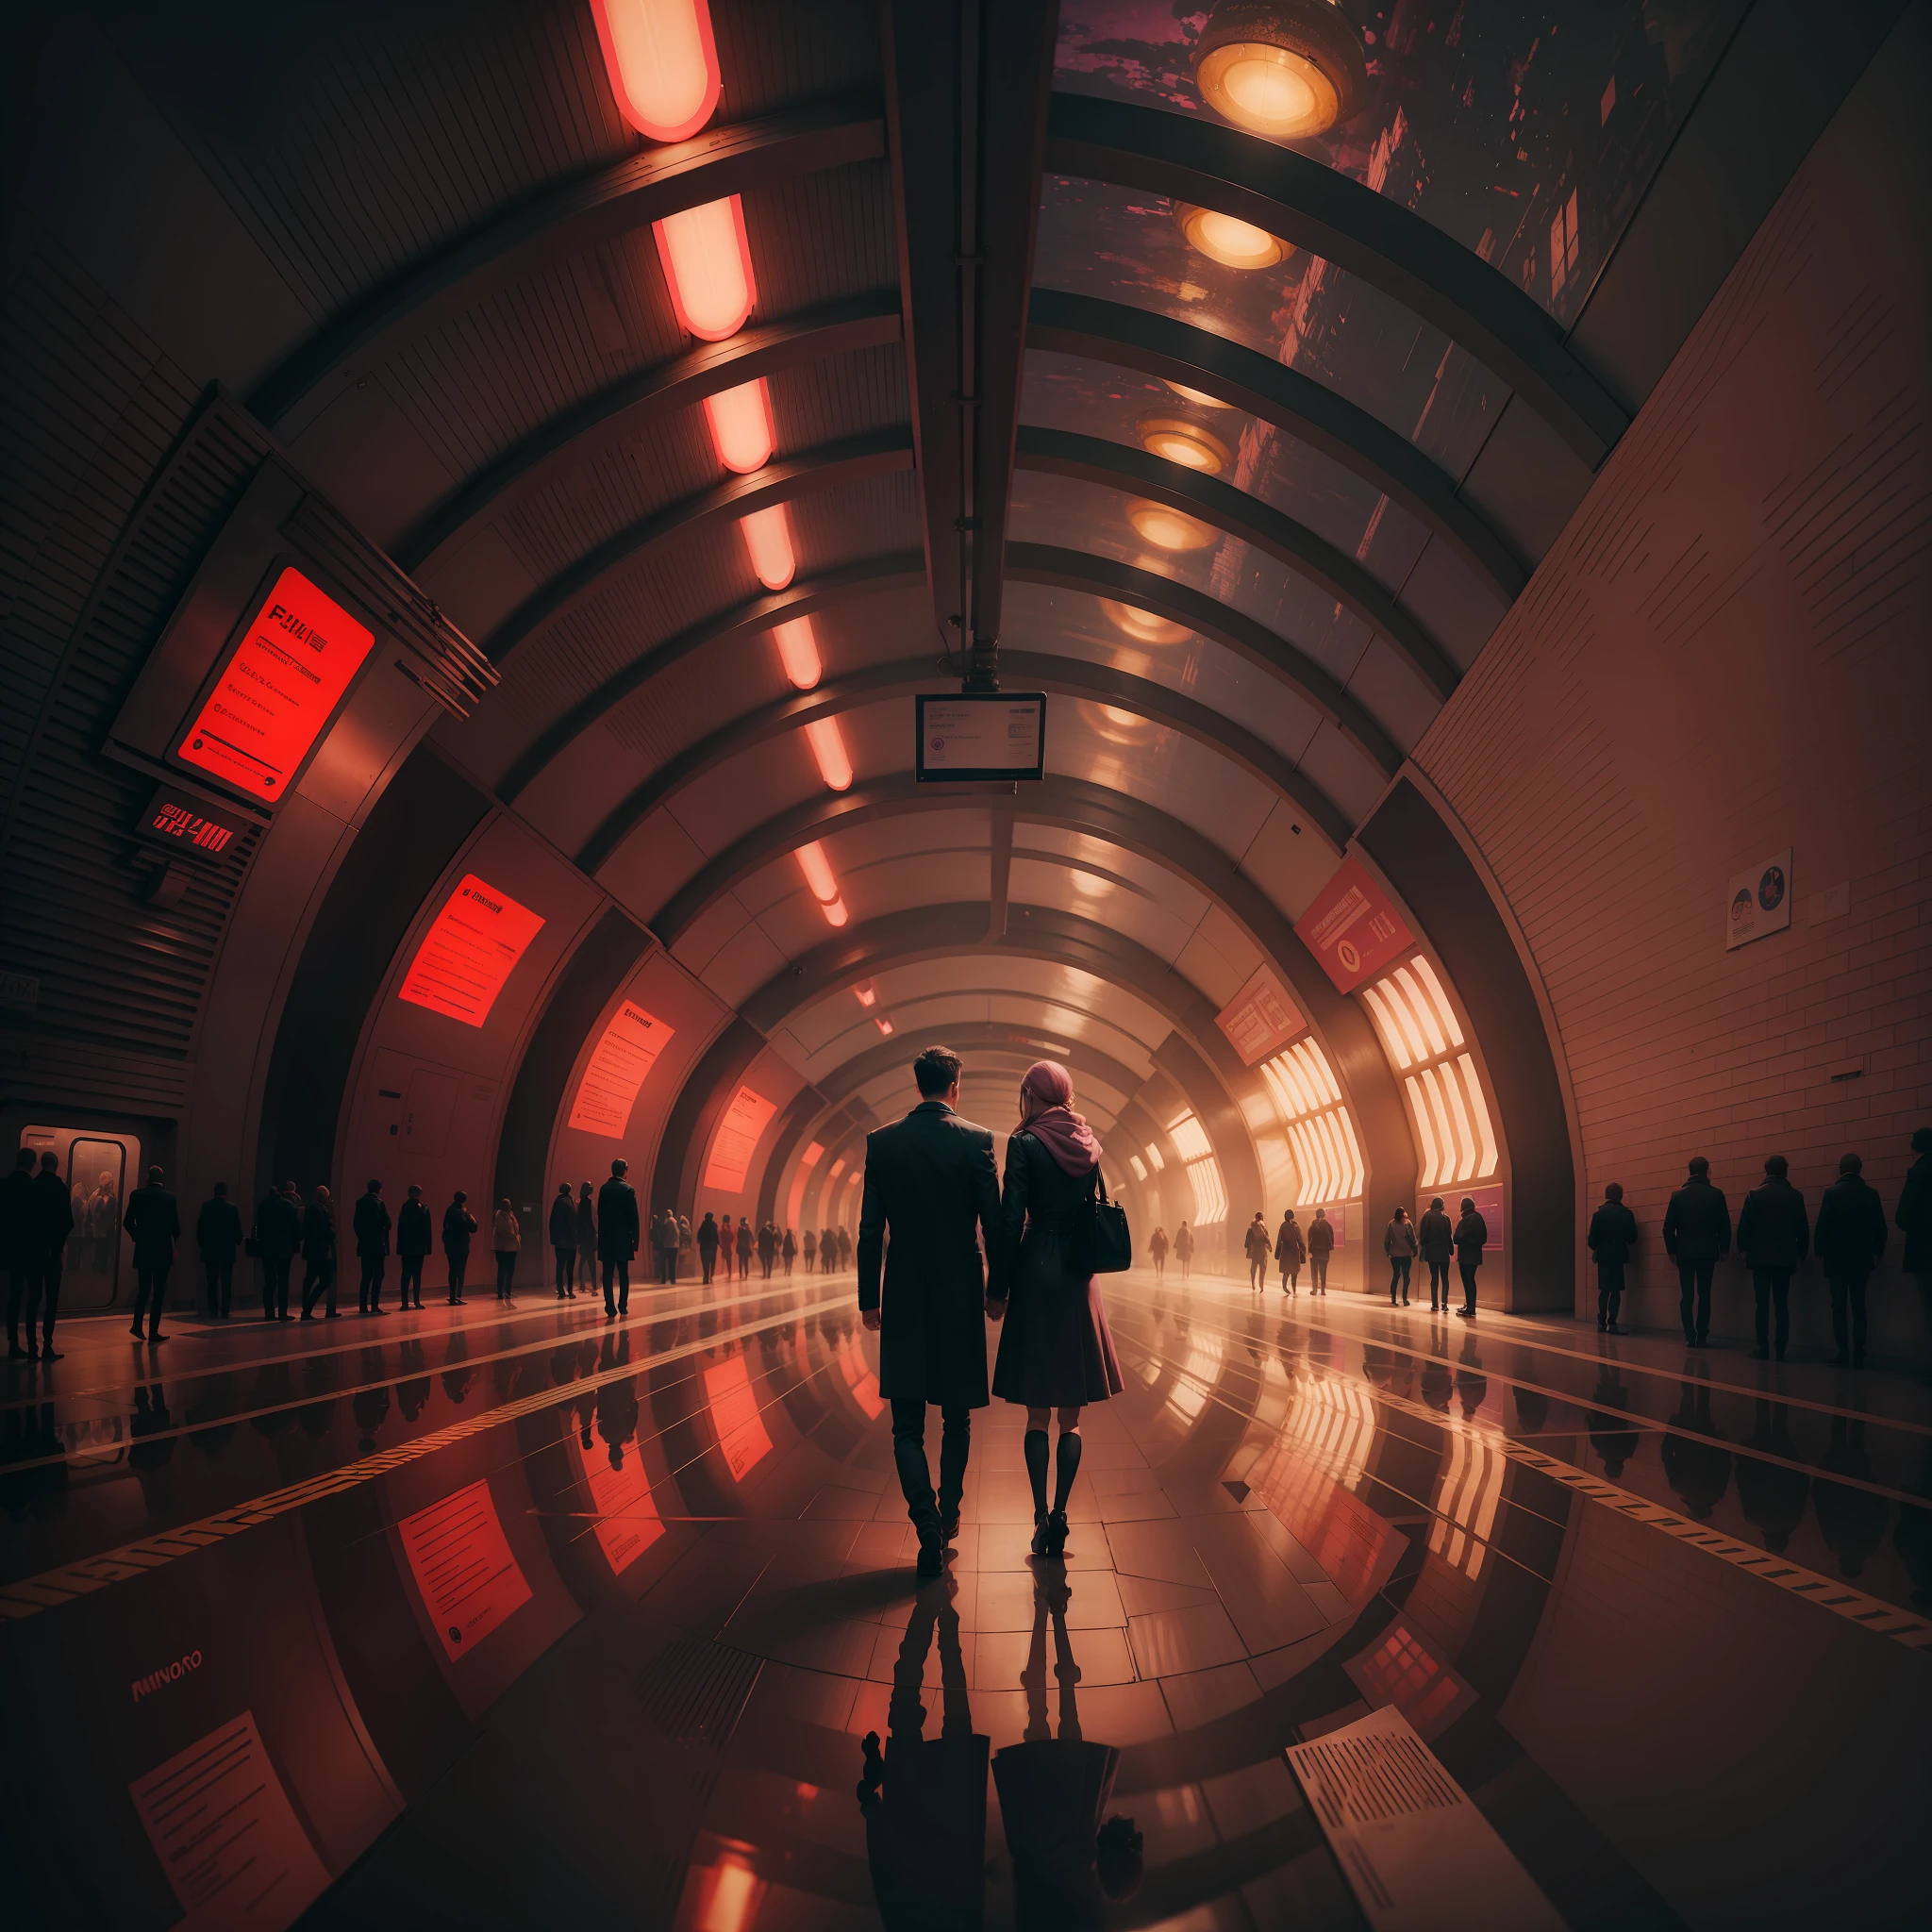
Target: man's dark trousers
1772	1287
1693	1279
1848	1298
1609	1291
220	1285
369	1297
319	1279
150	1291
412	1278
274	1288
617	1288
915	1472
43	1300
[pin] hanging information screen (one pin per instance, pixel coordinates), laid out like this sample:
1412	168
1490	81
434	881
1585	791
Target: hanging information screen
279	687
624	1057
969	735
472	949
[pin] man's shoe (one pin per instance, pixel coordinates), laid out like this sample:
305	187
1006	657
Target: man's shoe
1613	1329
949	1527
1839	1360
932	1553
1858	1361
1760	1355
158	1336
50	1353
1467	1314
1780	1355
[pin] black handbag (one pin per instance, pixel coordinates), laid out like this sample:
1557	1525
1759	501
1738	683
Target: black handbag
1102	1243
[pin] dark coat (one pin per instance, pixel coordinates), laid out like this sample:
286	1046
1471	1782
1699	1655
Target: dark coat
744	1238
1612	1234
1697	1223
1472	1237
1851	1233
931	1178
415	1230
53	1212
153	1221
1774	1230
278	1228
708	1236
563	1223
1320	1236
371	1224
617	1226
19	1223
218	1229
587	1224
1437	1235
458	1224
1915	1216
319	1234
1291	1244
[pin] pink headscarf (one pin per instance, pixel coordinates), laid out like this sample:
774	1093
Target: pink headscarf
1063	1132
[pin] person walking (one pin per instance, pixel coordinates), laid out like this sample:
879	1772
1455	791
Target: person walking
788	1250
828	1250
745	1247
19	1246
151	1220
1321	1246
415	1236
1399	1244
371	1224
1472	1237
1773	1236
768	1249
1184	1247
1913	1219
1156	1252
1612	1240
458	1228
1436	1240
1055	1351
218	1235
1697	1236
1850	1238
52	1228
563	1242
319	1255
277	1235
1291	1252
618	1230
506	1241
809	1250
1259	1251
708	1247
666	1248
727	1247
586	1237
844	1250
930	1182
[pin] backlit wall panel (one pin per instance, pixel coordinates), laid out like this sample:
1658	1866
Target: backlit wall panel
1449	1111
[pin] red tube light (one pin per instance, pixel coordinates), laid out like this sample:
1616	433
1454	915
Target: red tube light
707	265
768	542
741	424
816	869
866	993
798	652
663	61
828	747
884	1024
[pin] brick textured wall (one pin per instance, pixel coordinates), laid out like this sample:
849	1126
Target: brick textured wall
1727	653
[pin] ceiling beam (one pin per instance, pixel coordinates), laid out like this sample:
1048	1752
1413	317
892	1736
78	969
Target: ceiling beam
1323	210
554	224
1001	838
988	1037
1312	412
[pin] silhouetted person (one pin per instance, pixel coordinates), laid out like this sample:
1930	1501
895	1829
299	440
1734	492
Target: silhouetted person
319	1255
1612	1239
768	1249
787	1250
929	1179
1399	1244
1610	1433
1435	1236
1156	1252
618	1230
586	1237
458	1231
1773	1236
708	1247
153	1223
1471	1385
828	1250
1697	1236
1291	1252
19	1245
277	1235
1321	1246
415	1236
371	1226
1771	1494
1438	1384
1695	1464
53	1215
218	1235
1184	1248
727	1247
563	1242
1472	1237
1850	1238
507	1240
666	1248
1850	1516
1914	1218
745	1247
1259	1251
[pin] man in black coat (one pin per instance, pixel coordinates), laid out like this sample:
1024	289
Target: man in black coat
931	1178
1773	1236
54	1226
1850	1237
415	1236
319	1255
1697	1234
619	1229
563	1240
152	1221
371	1226
1612	1236
18	1244
218	1235
277	1235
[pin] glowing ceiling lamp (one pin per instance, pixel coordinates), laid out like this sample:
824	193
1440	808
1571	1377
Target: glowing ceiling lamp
1169	529
816	869
1184	442
1143	626
1286	69
707	264
768	542
741	422
663	62
1226	239
1198	395
798	652
828	747
866	993
884	1024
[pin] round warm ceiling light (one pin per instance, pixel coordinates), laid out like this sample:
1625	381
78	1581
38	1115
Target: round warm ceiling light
1169	529
1225	238
1197	396
1286	69
1184	442
1143	626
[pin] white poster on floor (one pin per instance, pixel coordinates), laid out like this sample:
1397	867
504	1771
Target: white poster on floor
1758	901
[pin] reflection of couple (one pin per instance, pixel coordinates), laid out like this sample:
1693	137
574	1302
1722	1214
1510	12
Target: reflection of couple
930	1178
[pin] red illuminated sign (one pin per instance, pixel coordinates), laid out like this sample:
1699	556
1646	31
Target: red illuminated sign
468	1578
624	1057
1352	929
737	1136
734	1406
1261	1018
278	689
472	949
195	831
627	1520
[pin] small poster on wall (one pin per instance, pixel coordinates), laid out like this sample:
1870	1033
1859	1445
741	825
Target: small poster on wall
1758	901
1351	927
1261	1018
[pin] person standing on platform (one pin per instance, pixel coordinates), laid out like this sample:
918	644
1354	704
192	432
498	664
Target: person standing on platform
54	1226
1850	1238
415	1236
1913	1219
1399	1243
828	1249
1156	1252
277	1235
1259	1251
1184	1247
459	1228
1612	1240
563	1242
19	1246
768	1249
1291	1252
667	1248
745	1247
1773	1236
1697	1236
152	1221
808	1248
727	1247
218	1235
1472	1237
1435	1237
507	1240
708	1247
371	1226
1321	1246
586	1237
685	1240
787	1249
319	1255
618	1231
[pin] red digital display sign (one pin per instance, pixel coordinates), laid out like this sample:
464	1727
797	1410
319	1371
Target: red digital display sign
473	948
1352	929
737	1137
278	689
195	831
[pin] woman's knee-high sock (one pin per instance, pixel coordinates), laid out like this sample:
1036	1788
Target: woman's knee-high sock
1066	1465
1035	1465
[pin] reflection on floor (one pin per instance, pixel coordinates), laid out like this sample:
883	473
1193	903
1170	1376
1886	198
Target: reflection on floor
1662	1618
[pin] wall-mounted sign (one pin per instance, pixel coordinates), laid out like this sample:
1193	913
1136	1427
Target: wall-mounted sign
973	735
466	955
1351	927
737	1137
1260	1020
277	689
185	826
624	1057
468	1576
1759	900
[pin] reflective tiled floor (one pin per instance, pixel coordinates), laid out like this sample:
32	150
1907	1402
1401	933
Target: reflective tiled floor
1660	1615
